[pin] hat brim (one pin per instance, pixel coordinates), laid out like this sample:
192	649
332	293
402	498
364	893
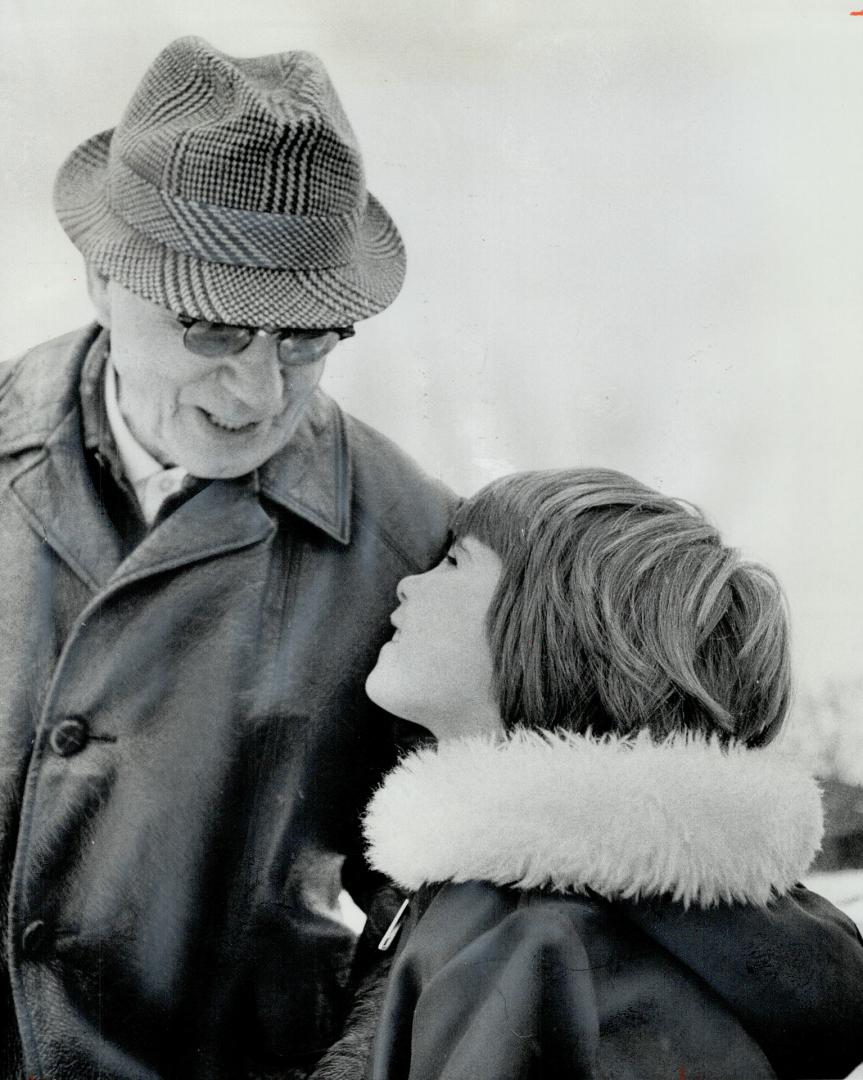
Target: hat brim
247	295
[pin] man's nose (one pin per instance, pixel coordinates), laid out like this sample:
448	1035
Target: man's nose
254	376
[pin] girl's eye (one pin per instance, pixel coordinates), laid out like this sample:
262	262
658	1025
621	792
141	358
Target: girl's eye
451	559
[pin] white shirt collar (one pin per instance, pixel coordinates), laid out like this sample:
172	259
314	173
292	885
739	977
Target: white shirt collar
150	479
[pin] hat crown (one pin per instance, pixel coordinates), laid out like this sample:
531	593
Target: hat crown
266	134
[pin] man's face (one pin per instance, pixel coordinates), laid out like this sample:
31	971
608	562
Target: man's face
218	417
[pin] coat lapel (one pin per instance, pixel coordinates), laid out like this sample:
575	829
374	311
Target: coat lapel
224	516
56	496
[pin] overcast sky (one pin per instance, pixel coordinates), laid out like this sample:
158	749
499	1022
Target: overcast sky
634	232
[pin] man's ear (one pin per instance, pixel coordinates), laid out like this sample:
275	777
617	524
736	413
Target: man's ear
97	286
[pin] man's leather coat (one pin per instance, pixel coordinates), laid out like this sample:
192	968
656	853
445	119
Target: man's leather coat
184	739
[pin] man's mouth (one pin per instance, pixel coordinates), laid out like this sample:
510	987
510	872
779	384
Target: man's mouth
227	425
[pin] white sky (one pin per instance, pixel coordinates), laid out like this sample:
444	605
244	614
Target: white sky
634	232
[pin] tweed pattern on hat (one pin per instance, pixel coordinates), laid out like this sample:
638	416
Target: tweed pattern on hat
237	236
233	190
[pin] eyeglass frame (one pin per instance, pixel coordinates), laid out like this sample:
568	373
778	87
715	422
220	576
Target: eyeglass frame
247	333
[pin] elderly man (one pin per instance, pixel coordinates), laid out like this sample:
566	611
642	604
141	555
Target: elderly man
200	553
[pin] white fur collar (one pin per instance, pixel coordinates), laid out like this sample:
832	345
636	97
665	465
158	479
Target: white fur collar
624	818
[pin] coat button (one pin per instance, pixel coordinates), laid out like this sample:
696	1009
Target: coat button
34	937
69	736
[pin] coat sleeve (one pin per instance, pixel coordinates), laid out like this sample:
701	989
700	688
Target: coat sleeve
791	972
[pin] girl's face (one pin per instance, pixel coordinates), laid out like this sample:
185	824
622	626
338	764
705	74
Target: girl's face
437	670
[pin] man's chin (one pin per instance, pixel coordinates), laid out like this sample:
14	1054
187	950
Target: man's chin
218	451
221	454
225	470
221	467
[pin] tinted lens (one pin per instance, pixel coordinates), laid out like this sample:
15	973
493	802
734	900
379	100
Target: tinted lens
298	347
216	339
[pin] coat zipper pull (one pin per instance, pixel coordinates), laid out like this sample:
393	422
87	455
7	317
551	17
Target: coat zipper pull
394	927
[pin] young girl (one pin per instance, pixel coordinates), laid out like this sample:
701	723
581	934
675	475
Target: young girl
605	843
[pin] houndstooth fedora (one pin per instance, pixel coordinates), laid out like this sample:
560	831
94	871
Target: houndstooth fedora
233	190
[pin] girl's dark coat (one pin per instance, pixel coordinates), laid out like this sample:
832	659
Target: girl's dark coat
580	915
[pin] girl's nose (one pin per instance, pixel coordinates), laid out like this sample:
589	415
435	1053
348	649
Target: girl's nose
403	586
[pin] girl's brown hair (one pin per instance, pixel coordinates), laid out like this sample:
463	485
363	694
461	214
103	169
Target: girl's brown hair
620	609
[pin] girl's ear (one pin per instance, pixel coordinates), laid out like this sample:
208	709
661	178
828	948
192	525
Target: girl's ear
97	287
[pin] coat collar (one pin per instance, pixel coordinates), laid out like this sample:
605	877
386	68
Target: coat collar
40	389
625	818
310	477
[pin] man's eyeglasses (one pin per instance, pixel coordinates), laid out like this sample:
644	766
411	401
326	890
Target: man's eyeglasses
295	347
